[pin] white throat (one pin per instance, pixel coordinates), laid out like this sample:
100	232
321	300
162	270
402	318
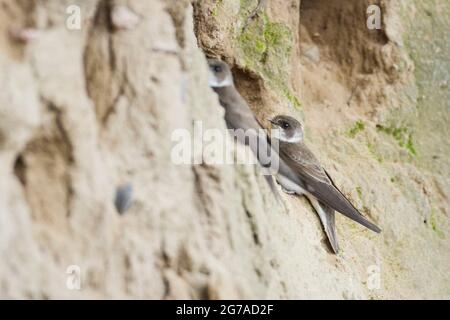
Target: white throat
213	83
281	135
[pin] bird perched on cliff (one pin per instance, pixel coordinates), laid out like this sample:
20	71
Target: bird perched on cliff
238	115
298	170
317	185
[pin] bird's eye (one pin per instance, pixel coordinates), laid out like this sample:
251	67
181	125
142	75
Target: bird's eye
217	68
286	125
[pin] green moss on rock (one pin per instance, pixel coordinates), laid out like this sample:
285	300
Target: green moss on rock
265	47
291	98
402	135
434	224
427	22
215	10
374	153
359	191
357	127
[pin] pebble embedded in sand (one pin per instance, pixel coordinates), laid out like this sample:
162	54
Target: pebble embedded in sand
123	198
312	53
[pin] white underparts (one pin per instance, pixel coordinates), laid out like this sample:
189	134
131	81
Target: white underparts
327	224
214	83
281	135
290	186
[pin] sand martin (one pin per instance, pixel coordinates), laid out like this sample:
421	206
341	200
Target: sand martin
317	185
238	115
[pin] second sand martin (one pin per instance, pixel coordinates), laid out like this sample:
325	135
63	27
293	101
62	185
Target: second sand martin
317	185
238	115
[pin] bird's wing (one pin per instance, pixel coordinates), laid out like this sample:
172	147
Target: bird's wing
304	161
243	118
318	182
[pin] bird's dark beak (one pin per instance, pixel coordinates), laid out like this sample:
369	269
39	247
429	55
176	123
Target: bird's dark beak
272	122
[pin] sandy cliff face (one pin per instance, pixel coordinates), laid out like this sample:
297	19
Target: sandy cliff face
85	111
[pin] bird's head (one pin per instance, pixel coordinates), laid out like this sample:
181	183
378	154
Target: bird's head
289	129
219	74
